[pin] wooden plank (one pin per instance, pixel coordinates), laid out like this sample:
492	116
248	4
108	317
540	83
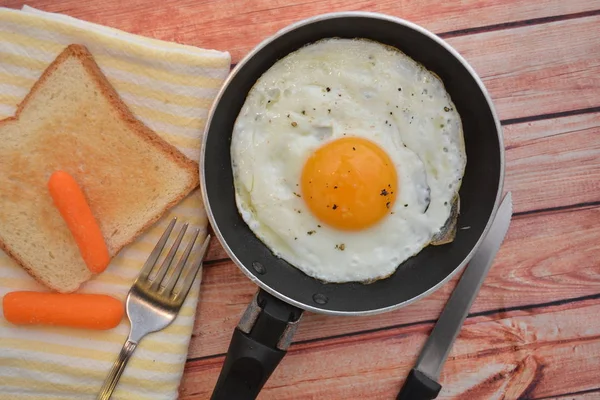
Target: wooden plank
545	258
215	250
239	26
539	69
513	356
591	395
568	146
553	163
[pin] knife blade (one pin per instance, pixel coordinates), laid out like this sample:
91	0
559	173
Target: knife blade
422	381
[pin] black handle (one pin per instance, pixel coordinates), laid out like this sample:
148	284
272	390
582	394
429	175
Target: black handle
257	346
419	386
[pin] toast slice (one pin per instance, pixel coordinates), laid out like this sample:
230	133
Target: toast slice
74	120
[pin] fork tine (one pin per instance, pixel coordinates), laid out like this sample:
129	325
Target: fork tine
168	260
168	288
151	261
188	280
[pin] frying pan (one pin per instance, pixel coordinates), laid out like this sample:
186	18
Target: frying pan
265	330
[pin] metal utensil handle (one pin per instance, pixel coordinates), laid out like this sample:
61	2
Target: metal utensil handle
116	371
419	386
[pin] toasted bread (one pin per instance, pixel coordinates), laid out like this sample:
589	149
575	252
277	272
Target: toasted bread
73	120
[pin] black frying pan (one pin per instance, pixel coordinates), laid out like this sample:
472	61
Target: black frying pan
265	331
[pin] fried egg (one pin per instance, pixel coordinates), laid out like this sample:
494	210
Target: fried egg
347	156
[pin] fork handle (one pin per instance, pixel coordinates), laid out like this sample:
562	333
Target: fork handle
116	371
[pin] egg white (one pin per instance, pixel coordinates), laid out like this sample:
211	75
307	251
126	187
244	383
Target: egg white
325	91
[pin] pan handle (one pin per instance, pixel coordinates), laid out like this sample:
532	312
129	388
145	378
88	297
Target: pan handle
258	344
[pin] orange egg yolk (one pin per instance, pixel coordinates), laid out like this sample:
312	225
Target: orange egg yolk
349	183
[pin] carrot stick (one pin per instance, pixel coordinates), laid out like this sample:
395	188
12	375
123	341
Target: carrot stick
70	201
91	311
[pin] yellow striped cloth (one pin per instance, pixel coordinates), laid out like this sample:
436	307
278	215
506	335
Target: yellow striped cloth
169	87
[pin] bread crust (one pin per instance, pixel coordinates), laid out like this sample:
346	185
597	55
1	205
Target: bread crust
85	57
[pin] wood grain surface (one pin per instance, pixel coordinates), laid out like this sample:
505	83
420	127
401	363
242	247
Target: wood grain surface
533	331
528	354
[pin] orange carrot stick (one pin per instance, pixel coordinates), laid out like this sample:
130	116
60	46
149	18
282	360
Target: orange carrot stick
91	311
70	201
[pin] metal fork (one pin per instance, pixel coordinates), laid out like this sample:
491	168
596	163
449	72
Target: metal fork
154	300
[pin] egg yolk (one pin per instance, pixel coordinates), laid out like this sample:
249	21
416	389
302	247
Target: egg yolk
349	183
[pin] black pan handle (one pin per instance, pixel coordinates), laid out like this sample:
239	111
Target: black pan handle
419	386
258	344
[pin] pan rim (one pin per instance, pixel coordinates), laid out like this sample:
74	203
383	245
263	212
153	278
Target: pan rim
266	42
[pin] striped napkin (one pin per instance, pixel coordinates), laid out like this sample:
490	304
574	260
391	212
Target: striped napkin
169	87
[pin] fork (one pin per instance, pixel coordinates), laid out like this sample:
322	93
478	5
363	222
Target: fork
154	300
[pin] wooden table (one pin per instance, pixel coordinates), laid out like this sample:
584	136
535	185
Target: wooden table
534	330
